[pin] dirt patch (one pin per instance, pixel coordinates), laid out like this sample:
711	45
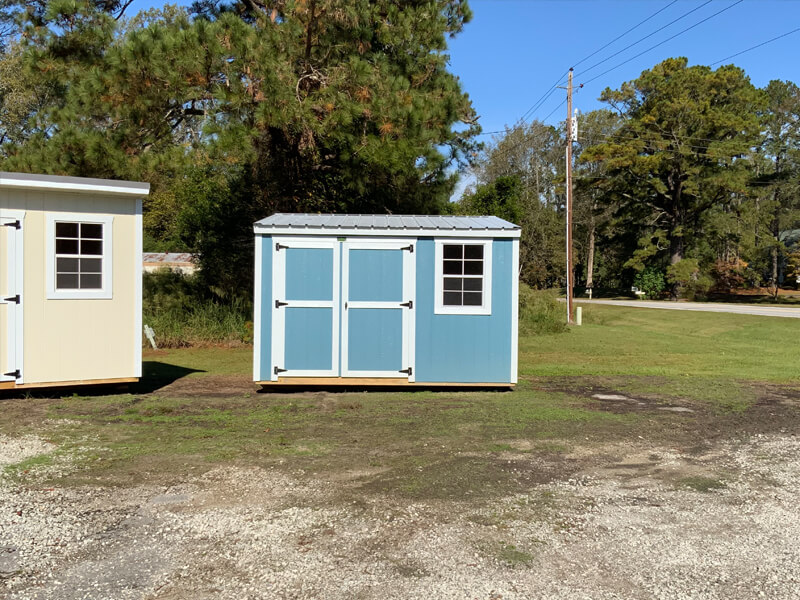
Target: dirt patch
210	386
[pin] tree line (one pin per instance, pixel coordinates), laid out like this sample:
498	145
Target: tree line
687	183
233	110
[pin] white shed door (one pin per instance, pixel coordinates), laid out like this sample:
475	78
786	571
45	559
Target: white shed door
11	295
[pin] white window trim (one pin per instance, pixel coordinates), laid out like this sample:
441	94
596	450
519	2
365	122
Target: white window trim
486	307
104	293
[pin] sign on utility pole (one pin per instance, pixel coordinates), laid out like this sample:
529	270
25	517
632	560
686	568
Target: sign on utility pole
572	135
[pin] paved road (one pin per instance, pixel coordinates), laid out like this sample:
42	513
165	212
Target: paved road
741	309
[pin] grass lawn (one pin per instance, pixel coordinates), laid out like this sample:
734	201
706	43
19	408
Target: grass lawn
690	378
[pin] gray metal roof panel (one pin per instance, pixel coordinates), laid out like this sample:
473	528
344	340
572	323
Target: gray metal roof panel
35	180
367	222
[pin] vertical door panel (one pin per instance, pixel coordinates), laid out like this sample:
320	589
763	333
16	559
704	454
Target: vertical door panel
375	340
377	319
308	339
10	293
305	308
375	275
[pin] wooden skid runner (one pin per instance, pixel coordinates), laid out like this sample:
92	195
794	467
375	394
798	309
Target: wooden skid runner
372	381
10	385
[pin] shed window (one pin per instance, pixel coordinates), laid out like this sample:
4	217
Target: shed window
79	256
463	277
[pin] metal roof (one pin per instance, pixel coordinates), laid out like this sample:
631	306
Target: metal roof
308	223
73	184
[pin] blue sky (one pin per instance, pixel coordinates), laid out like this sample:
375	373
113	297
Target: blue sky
513	51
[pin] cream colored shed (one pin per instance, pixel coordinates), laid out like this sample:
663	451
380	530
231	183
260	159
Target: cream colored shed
70	280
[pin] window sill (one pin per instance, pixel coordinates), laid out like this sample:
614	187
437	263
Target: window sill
462	310
80	295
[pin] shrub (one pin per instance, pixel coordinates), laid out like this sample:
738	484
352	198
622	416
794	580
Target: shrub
540	311
651	282
690	281
182	315
792	278
728	275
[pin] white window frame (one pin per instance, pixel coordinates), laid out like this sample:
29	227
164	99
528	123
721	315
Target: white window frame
486	307
104	293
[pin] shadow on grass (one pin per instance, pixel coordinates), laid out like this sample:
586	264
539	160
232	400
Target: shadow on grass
156	375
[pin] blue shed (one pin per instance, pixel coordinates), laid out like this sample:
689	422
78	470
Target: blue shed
386	300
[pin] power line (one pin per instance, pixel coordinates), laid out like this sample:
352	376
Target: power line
649	35
664	41
622	35
544	97
549	92
783	35
562	103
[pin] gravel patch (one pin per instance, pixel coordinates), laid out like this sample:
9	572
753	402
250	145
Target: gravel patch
728	529
16	450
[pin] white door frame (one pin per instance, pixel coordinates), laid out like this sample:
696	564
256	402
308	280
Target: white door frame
409	294
12	261
279	247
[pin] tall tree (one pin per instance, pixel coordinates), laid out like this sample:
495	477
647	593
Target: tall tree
594	201
533	155
778	171
677	152
313	105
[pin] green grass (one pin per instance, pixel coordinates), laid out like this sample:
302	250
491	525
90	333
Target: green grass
638	341
449	444
162	364
699	483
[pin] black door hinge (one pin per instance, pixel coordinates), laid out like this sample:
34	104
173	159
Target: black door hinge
279	246
14	299
409	304
15	374
407	371
278	303
14	224
409	248
277	370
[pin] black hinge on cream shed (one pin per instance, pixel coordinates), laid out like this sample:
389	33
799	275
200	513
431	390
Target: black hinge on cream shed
15	374
15	224
14	299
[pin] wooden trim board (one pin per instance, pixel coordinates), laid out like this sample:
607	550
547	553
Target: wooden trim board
372	381
10	385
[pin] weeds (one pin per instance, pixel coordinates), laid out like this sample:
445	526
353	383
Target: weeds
540	312
181	316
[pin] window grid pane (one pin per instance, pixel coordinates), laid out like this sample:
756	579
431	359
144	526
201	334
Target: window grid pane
79	251
463	270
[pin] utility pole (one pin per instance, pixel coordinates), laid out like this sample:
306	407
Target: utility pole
570	139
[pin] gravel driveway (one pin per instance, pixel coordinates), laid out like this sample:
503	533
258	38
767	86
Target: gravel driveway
624	530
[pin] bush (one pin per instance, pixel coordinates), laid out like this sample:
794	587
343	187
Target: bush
728	275
540	312
691	282
181	315
651	282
